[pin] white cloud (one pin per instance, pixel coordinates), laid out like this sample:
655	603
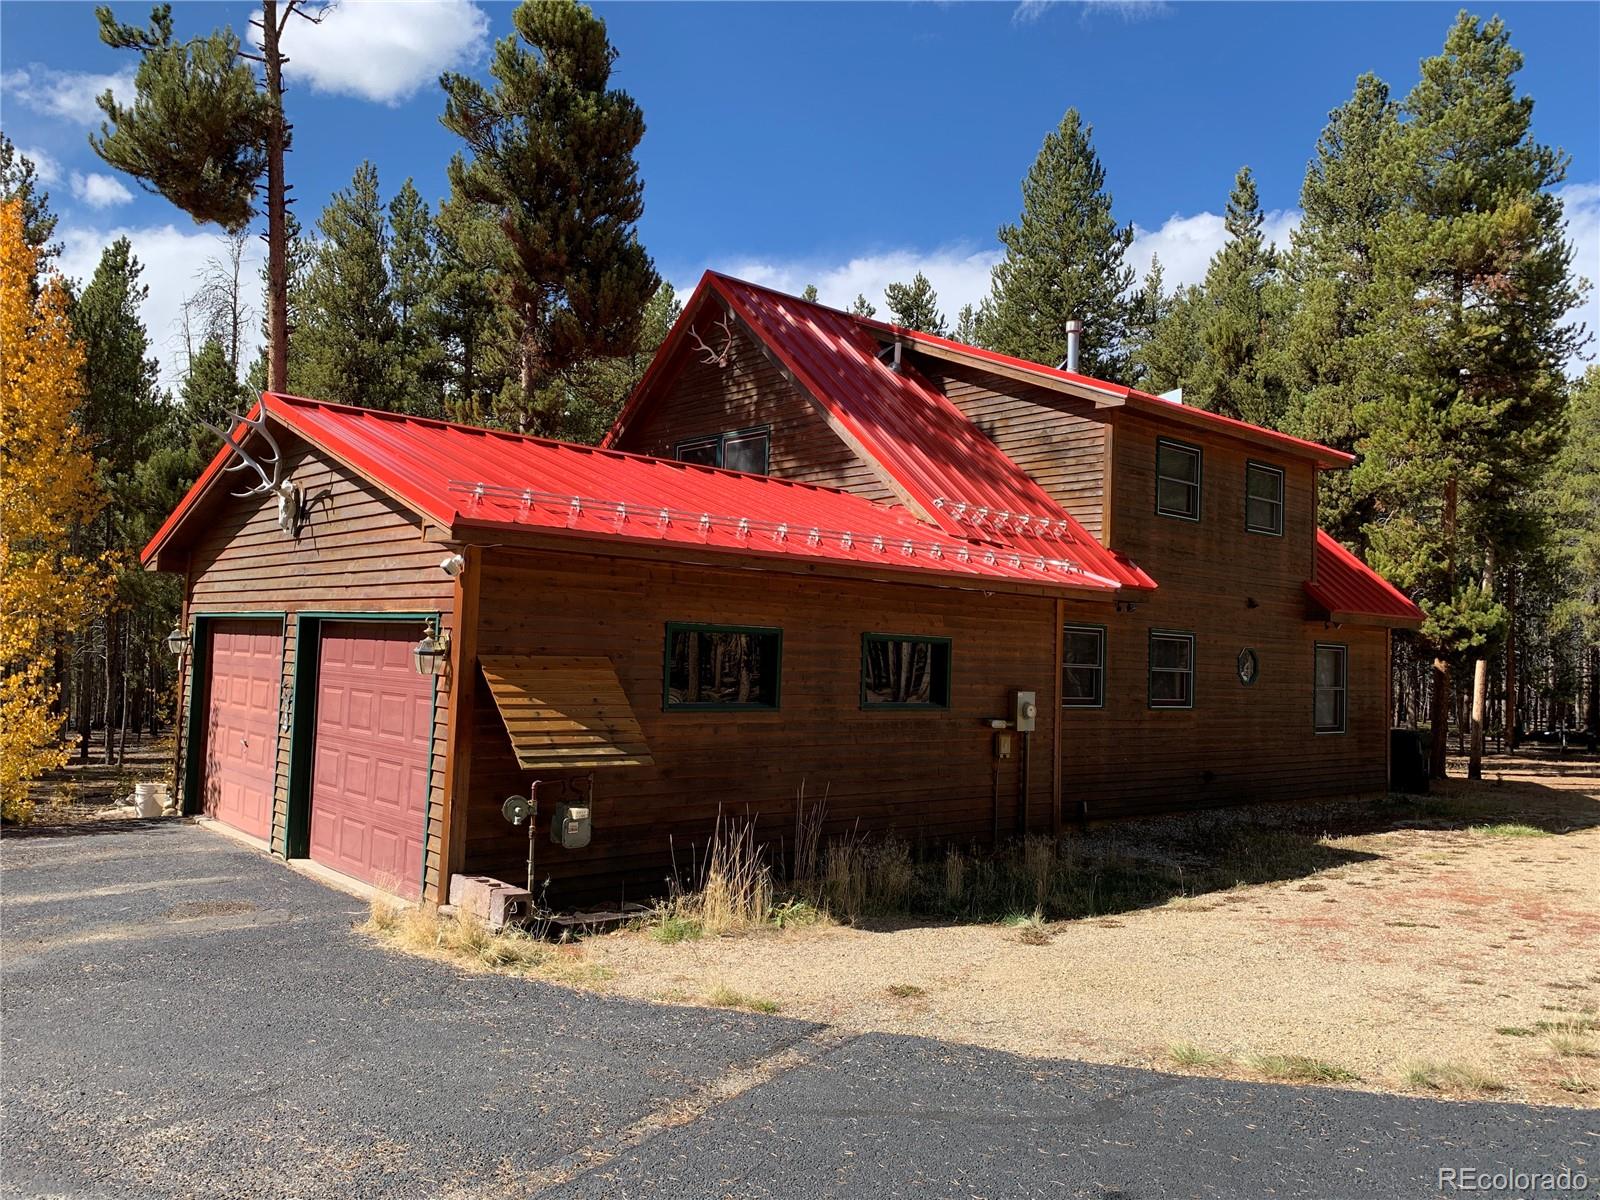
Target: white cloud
959	274
1028	11
1185	244
1582	202
99	191
45	165
383	50
172	260
69	95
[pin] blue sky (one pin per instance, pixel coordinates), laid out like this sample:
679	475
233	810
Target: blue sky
846	144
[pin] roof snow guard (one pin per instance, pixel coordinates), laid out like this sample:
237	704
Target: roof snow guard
475	484
1346	590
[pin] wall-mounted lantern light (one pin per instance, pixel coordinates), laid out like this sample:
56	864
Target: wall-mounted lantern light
431	655
177	641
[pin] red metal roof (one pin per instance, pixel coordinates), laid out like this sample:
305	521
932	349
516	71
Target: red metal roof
465	479
944	466
1345	588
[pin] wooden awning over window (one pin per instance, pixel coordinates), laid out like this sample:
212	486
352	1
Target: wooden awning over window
565	713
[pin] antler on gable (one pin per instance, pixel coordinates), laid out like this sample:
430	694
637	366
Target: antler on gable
270	484
710	355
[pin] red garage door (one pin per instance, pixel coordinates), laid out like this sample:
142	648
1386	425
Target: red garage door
245	664
369	785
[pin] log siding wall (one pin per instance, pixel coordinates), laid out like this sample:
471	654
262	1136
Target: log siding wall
926	774
358	552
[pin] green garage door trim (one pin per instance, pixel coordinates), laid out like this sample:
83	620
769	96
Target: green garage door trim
302	723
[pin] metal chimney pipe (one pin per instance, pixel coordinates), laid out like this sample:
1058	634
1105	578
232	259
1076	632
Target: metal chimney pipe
1074	344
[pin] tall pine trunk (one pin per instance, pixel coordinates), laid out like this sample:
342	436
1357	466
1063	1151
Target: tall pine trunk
111	686
1439	750
1512	699
277	208
1480	687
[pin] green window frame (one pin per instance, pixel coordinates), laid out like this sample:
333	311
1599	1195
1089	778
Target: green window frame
1083	666
922	663
1172	682
682	675
1180	471
1330	688
746	446
1263	511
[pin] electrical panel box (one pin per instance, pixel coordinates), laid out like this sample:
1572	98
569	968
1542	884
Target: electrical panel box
570	827
1025	711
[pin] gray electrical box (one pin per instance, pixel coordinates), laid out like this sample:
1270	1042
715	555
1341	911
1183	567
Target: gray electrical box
1025	711
569	828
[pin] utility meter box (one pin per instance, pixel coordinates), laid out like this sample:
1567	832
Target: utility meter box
1025	711
569	828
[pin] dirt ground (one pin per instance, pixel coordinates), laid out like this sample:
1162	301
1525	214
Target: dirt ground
1438	936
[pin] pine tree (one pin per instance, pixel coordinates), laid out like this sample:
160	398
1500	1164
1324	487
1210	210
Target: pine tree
1064	260
47	489
861	307
593	392
966	330
810	293
1473	276
347	347
552	149
1234	374
1169	349
19	180
915	306
1571	496
466	315
413	285
1333	356
120	409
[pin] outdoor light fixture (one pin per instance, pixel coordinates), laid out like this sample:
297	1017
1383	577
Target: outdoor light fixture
177	641
431	655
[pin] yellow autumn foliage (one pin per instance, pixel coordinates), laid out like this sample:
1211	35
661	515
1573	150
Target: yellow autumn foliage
47	488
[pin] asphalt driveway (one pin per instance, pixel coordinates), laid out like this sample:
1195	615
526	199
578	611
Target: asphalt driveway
184	1017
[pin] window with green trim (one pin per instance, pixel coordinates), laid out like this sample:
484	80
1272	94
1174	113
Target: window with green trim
1331	689
1263	499
904	672
1177	480
744	450
1083	666
1171	669
722	666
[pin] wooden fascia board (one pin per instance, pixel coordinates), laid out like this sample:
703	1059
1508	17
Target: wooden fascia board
1100	399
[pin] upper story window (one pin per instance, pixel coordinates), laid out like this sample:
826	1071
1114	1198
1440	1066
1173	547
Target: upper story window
743	450
1083	666
1171	669
1331	689
1178	480
722	666
904	672
1263	499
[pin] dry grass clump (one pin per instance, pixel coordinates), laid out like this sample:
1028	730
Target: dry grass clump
1193	1058
462	940
906	991
1029	928
1508	829
1454	1078
726	997
1572	1038
1298	1068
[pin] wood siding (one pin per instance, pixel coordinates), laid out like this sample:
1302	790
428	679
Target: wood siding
926	774
1064	451
751	391
358	552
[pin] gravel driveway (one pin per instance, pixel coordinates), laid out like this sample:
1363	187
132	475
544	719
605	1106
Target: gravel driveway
183	1017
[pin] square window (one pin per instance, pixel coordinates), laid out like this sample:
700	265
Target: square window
904	672
1083	666
746	451
1177	480
703	452
1263	499
722	666
1330	689
1171	670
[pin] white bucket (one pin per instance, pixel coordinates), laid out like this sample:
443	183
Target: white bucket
149	799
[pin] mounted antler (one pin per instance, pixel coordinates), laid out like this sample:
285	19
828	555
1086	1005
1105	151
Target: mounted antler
712	356
273	484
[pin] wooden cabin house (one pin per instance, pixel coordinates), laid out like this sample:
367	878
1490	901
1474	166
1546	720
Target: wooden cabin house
957	594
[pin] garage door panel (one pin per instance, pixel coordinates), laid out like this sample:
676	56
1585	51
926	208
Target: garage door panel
244	664
373	730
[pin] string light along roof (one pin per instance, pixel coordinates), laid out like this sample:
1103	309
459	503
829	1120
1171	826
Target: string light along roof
470	481
1346	589
947	470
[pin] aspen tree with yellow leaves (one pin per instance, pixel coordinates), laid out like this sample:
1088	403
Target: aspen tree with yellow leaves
47	488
